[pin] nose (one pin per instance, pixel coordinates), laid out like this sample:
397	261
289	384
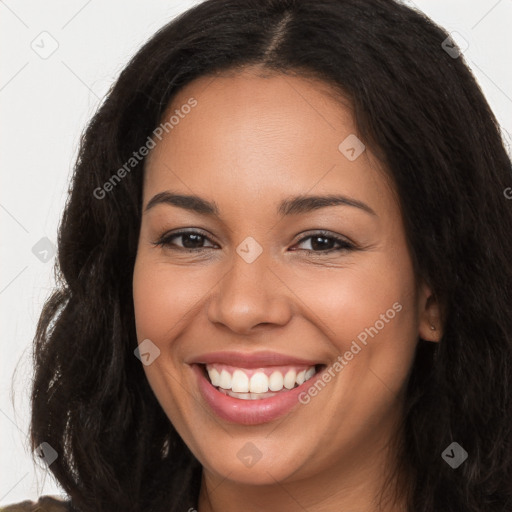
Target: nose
250	295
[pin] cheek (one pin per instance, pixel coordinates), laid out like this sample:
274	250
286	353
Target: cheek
162	297
152	303
367	311
368	314
349	300
160	302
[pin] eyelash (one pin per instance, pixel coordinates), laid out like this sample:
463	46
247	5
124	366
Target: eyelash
165	241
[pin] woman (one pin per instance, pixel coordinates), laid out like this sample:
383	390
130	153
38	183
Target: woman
286	278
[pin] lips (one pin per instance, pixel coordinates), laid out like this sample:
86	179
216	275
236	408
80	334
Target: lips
252	360
255	388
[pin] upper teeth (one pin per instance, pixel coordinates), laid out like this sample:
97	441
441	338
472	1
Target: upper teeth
240	380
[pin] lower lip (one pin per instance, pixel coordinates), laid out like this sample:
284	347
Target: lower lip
248	412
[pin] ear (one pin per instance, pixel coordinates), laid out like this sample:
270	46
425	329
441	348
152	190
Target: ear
429	314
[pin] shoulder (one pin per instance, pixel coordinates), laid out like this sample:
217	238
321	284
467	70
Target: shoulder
43	504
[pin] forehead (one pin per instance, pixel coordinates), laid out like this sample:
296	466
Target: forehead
251	135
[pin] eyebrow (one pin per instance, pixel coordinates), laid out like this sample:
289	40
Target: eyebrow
292	206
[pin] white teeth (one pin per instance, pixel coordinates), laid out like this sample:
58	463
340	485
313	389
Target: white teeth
242	396
247	396
214	376
275	382
301	377
239	382
289	379
259	383
309	373
225	379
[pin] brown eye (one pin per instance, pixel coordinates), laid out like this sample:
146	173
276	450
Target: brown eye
190	240
324	242
193	241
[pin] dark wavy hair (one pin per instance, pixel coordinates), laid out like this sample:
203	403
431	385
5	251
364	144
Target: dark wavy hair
420	110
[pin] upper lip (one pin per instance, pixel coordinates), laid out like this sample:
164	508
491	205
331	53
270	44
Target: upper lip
251	359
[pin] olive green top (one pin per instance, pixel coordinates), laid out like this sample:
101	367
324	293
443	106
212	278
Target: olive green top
44	504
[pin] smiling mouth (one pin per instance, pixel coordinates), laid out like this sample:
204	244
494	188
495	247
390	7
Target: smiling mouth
257	383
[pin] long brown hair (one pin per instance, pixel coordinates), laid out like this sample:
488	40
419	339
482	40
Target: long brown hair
420	110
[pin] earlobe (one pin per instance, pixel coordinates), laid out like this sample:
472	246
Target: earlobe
429	328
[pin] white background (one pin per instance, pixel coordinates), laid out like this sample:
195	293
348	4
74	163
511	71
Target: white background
46	103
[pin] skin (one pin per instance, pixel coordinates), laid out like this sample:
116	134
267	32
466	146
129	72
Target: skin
251	142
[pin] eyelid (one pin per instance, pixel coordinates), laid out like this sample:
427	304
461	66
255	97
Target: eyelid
163	240
345	243
326	234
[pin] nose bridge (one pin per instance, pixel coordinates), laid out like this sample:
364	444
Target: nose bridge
249	293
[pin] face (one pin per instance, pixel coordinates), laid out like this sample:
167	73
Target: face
265	286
